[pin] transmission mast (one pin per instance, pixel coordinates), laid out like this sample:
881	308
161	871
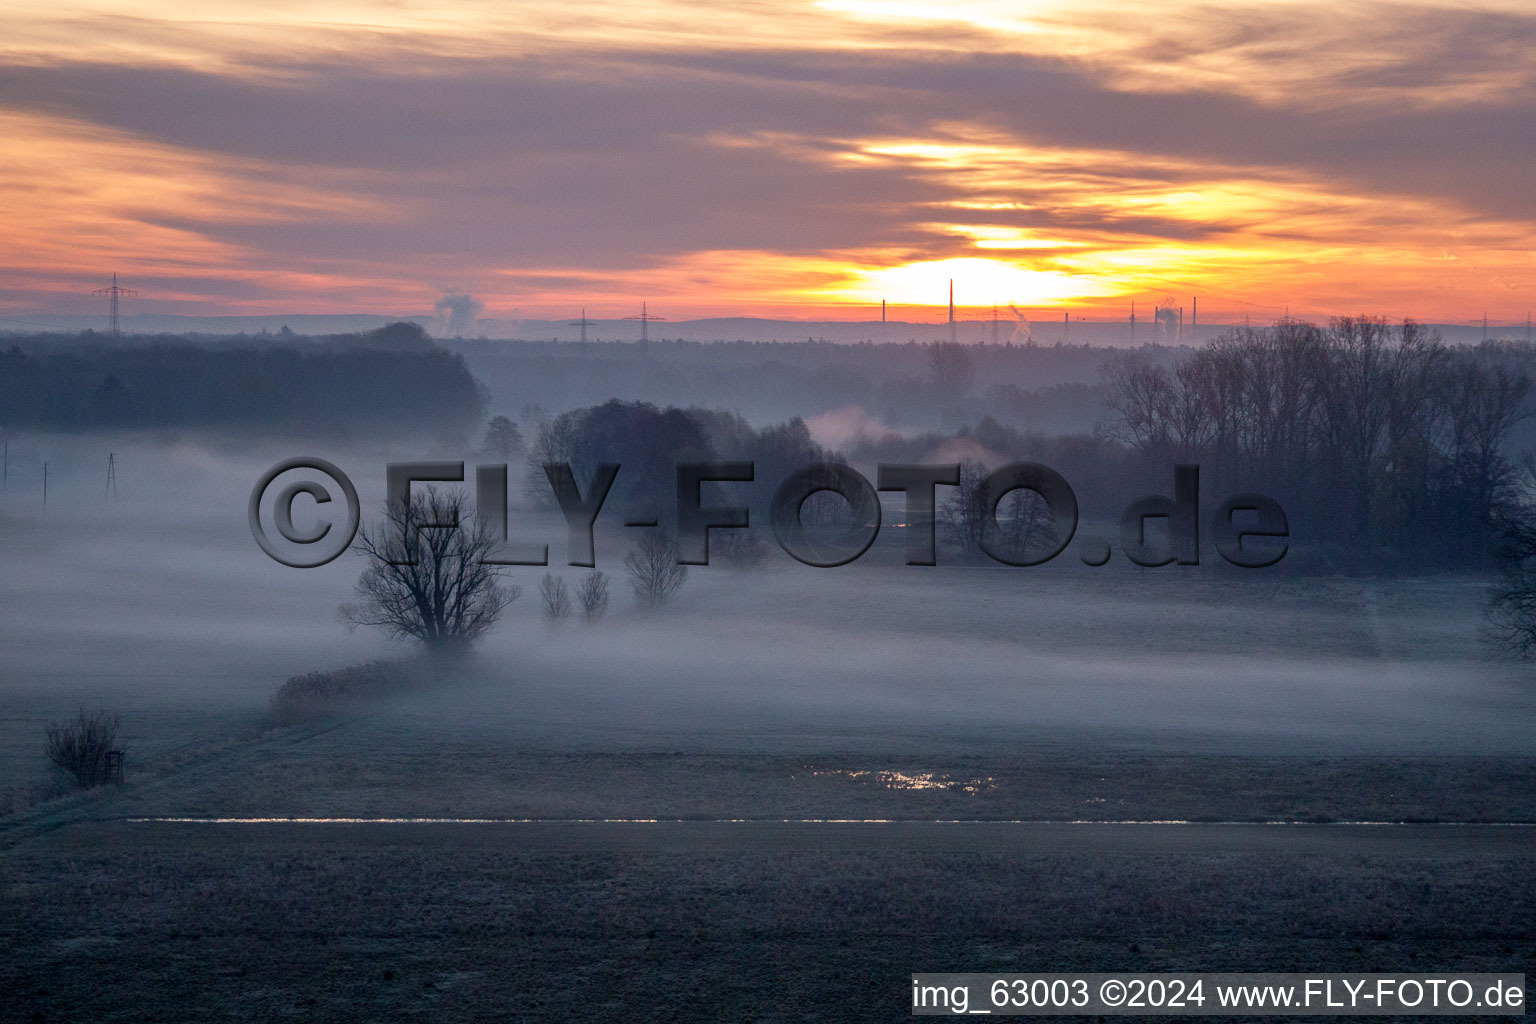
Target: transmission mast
113	294
583	323
645	317
111	476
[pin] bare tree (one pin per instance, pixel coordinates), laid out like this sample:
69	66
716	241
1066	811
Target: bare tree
1485	400
1023	520
427	578
557	599
80	746
1373	395
962	513
1512	611
652	568
554	441
1028	530
592	593
1139	404
1512	606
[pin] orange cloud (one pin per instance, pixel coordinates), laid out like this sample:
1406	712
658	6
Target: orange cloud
805	159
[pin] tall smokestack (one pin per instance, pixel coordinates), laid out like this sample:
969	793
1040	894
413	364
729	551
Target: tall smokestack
951	310
1194	315
882	311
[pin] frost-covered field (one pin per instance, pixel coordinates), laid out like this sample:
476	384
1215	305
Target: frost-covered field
161	606
875	691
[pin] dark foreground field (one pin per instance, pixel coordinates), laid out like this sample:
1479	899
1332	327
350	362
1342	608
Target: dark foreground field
732	906
112	919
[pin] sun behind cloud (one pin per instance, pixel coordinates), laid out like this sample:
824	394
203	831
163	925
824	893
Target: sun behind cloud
804	159
978	282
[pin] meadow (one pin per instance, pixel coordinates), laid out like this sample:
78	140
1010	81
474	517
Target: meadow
873	691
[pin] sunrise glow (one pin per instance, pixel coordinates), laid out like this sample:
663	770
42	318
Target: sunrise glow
787	159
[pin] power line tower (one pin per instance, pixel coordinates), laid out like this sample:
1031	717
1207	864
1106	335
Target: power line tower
111	476
113	294
645	317
583	323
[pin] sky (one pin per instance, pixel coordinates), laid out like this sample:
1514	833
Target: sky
786	160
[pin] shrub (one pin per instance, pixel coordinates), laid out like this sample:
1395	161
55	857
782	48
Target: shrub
737	549
317	694
592	592
80	746
653	569
557	599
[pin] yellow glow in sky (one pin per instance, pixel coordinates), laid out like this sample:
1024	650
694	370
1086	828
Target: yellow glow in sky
980	282
770	158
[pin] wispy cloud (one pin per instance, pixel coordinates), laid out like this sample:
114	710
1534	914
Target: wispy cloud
769	156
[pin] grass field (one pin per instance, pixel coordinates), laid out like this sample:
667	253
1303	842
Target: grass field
397	925
876	692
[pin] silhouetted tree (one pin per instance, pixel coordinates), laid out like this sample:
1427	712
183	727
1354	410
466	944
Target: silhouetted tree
556	597
592	593
1512	610
503	439
1023	528
555	441
426	578
652	568
1485	400
960	516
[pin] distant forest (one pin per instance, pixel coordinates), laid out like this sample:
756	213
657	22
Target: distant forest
1384	445
392	379
1051	388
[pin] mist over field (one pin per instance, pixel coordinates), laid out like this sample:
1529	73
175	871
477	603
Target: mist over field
773	761
161	604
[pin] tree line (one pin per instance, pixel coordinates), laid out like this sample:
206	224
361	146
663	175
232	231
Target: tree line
378	380
649	442
1373	435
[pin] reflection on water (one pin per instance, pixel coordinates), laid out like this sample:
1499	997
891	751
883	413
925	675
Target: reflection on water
912	780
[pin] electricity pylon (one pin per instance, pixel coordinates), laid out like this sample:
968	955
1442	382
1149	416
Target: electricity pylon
113	294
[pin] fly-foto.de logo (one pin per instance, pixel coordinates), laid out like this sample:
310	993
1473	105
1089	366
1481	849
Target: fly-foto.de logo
1248	530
